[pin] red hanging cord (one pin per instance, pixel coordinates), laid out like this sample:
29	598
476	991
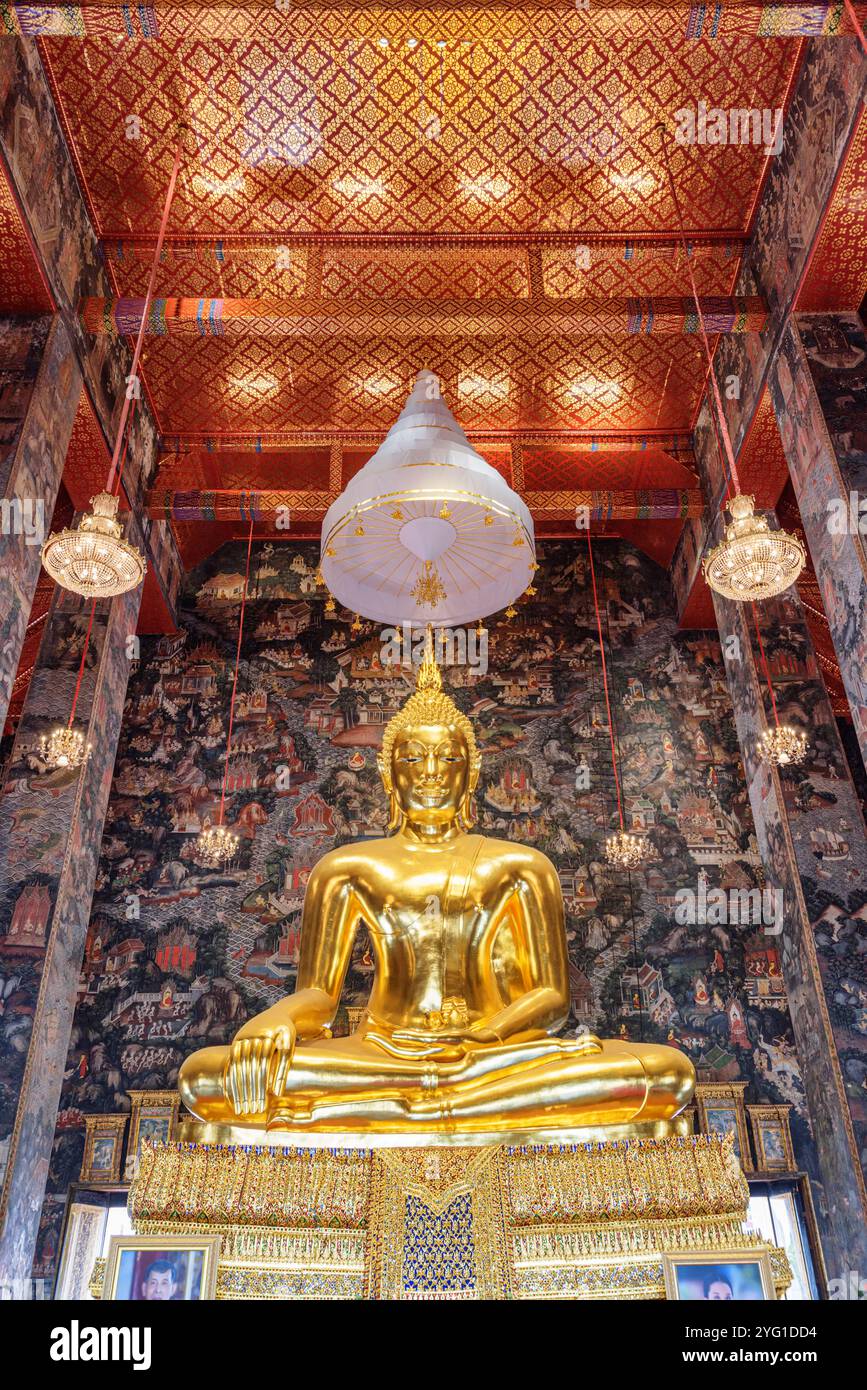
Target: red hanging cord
766	667
605	682
81	667
729	451
237	664
114	474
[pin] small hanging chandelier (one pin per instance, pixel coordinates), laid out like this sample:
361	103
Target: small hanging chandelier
624	851
93	559
216	846
64	747
782	745
753	562
779	744
427	530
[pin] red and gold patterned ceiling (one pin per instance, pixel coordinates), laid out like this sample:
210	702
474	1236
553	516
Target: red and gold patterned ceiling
388	158
394	186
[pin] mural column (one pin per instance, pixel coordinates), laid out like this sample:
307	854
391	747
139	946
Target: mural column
40	386
50	833
818	383
812	841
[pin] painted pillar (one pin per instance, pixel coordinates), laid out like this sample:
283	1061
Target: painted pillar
50	833
813	846
818	384
40	386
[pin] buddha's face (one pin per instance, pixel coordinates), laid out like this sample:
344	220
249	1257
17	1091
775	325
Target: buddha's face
430	770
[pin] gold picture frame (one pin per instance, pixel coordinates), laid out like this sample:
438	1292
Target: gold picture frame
723	1275
103	1148
772	1138
154	1115
721	1110
166	1269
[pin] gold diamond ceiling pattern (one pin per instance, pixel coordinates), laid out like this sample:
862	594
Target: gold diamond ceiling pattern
498	156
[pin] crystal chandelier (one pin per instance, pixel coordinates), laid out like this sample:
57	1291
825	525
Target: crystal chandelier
64	747
93	559
782	744
624	851
216	845
752	562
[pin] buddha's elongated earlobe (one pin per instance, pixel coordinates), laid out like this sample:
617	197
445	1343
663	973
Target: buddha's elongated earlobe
395	815
465	812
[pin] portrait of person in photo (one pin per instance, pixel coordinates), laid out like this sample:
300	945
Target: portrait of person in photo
162	1269
740	1282
160	1283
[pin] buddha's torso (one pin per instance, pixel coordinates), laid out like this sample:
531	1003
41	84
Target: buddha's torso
442	937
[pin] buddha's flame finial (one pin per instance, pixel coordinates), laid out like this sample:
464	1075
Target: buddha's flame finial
429	678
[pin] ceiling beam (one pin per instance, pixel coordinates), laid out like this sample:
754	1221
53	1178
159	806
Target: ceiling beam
662	245
680	442
276	506
285	318
456	21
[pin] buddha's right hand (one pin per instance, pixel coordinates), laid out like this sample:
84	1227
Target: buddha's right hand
258	1049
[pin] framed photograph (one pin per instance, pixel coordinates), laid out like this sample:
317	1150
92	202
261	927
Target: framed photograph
719	1276
161	1269
772	1138
721	1111
103	1147
154	1115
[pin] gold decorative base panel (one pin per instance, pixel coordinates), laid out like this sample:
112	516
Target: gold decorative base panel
576	1220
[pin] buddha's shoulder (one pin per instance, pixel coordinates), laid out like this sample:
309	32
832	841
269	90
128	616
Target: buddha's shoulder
519	855
346	858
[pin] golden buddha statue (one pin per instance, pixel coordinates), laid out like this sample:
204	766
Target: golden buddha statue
471	982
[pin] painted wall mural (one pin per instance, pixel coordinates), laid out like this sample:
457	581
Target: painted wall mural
819	388
178	955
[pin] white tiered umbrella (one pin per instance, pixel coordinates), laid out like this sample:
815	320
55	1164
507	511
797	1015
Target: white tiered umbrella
427	531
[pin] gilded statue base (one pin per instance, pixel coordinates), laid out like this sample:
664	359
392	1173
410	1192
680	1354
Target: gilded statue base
572	1220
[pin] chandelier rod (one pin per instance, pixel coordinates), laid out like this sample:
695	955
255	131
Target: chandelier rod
81	667
727	443
766	667
237	664
605	682
112	484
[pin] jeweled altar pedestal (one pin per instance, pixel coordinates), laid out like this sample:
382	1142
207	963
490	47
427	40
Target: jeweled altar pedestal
585	1219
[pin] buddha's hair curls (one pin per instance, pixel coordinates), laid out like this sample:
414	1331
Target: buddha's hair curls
429	704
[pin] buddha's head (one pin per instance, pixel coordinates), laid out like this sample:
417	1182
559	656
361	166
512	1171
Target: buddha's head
429	762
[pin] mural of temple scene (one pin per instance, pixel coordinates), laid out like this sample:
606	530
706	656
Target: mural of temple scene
433	857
